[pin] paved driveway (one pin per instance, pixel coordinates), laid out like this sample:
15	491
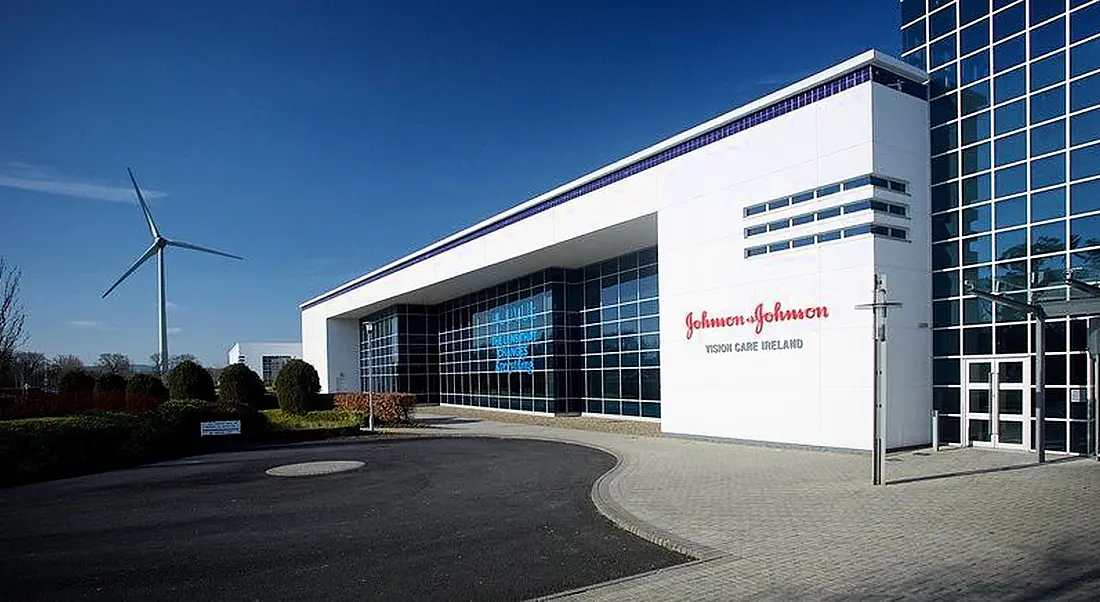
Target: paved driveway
784	524
436	519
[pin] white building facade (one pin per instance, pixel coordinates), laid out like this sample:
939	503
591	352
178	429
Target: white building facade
265	359
710	282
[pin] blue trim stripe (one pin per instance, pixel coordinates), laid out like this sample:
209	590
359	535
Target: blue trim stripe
802	99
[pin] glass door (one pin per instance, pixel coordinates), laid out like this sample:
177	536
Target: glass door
997	404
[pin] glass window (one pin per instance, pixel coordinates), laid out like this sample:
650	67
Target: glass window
1084	23
1048	37
1041	11
912	36
1048	171
1009	85
977	311
1008	54
1009	117
941	52
941	22
1085	231
944	138
1011	212
976	189
1010	149
945	167
977	250
976	220
1049	104
1011	180
975	128
1084	92
1008	22
1012	244
945	255
911	9
974	37
975	159
945	284
1084	162
974	98
1048	204
943	109
916	58
1048	138
1084	58
945	313
945	197
1085	127
972	9
1048	71
1048	238
1084	197
974	68
943	80
945	226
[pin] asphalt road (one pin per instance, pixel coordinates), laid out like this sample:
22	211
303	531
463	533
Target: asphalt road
436	519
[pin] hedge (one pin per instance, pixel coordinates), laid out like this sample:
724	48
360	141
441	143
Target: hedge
297	386
145	392
237	383
41	448
189	380
389	408
110	391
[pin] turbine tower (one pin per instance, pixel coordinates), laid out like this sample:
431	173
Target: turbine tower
159	246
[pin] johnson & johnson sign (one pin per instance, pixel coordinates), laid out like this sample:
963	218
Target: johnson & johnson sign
757	319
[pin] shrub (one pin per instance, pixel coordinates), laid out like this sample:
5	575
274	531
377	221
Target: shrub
145	392
76	387
389	408
296	386
237	383
38	448
178	421
189	380
110	392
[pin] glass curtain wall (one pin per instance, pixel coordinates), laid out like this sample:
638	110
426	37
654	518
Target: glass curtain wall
1014	91
399	352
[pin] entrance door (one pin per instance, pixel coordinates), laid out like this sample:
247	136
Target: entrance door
997	406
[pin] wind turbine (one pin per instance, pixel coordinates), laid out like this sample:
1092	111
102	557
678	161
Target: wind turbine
159	246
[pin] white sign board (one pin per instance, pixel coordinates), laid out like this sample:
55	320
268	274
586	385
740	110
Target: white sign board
220	427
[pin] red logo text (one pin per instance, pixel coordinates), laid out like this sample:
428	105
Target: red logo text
758	318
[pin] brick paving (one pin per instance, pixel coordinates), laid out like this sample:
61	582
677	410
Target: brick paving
772	523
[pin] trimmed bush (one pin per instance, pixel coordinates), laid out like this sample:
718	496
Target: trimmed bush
145	392
110	392
76	386
38	448
237	383
178	422
389	408
189	380
297	386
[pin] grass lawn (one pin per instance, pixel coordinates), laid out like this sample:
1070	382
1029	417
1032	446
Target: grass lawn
327	419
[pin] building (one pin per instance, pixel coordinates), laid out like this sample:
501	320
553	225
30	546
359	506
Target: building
1014	92
709	282
265	359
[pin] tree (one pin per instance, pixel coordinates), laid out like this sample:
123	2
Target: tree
110	390
65	363
30	369
12	316
115	363
237	383
173	361
145	390
297	386
189	380
77	385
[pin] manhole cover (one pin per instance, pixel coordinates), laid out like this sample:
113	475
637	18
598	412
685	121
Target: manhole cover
309	469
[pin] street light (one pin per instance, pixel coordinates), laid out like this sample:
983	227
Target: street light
369	328
879	384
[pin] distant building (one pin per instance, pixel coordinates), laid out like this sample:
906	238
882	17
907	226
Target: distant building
265	359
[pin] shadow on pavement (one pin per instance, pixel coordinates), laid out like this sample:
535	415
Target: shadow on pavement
977	471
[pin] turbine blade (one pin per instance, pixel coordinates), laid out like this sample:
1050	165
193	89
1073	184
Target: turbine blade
144	207
152	250
185	245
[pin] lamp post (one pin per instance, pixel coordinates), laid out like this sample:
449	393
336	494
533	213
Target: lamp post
370	375
880	385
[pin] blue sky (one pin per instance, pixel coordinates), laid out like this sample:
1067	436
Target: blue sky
320	140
